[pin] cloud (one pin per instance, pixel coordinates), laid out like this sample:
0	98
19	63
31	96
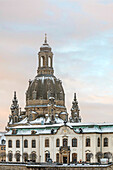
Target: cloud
81	36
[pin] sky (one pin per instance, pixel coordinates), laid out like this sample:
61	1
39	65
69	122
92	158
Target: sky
80	33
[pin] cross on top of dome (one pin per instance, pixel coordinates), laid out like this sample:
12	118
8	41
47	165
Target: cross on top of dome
45	39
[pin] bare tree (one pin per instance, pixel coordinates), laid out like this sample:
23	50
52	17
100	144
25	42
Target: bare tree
99	155
89	156
108	155
33	156
2	156
25	156
17	156
10	156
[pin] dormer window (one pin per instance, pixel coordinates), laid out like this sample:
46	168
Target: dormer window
14	131
33	132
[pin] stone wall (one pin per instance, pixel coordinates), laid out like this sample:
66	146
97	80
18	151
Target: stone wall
52	167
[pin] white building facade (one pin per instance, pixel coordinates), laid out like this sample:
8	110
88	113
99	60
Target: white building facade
44	132
63	143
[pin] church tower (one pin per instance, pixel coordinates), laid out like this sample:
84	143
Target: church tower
44	86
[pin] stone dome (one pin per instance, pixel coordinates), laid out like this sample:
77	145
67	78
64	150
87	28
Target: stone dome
45	86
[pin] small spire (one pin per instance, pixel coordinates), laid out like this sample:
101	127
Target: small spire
45	39
15	95
74	96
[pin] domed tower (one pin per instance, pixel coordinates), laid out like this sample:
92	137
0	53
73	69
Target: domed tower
44	86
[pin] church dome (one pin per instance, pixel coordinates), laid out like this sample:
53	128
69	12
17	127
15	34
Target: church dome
45	86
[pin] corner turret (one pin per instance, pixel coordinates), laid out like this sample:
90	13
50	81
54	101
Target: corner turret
75	111
14	117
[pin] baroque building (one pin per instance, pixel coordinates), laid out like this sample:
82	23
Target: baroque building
45	97
44	131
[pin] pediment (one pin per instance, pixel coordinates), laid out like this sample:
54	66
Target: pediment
65	131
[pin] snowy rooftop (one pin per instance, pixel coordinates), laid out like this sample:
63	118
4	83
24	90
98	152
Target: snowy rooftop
77	127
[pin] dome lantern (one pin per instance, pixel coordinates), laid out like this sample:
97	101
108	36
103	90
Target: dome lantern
45	57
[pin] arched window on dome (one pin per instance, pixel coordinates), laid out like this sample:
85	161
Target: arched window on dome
34	95
49	61
42	61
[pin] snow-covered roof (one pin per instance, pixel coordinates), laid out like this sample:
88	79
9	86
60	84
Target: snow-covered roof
63	113
45	77
77	127
44	106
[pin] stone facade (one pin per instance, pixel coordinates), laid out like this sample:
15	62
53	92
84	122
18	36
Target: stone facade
71	142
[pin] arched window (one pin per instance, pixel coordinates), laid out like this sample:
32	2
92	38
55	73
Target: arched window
46	142
57	142
33	143
33	156
105	142
17	144
74	157
87	142
57	157
3	141
10	156
17	156
49	62
74	142
98	142
42	61
65	141
25	143
25	157
10	143
47	156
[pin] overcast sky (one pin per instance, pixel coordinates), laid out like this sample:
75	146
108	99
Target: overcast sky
80	33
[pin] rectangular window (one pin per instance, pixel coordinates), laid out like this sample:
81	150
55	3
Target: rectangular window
88	142
57	142
10	143
1	148
33	143
17	143
46	142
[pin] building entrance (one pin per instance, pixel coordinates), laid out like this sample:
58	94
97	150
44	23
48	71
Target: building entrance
65	159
